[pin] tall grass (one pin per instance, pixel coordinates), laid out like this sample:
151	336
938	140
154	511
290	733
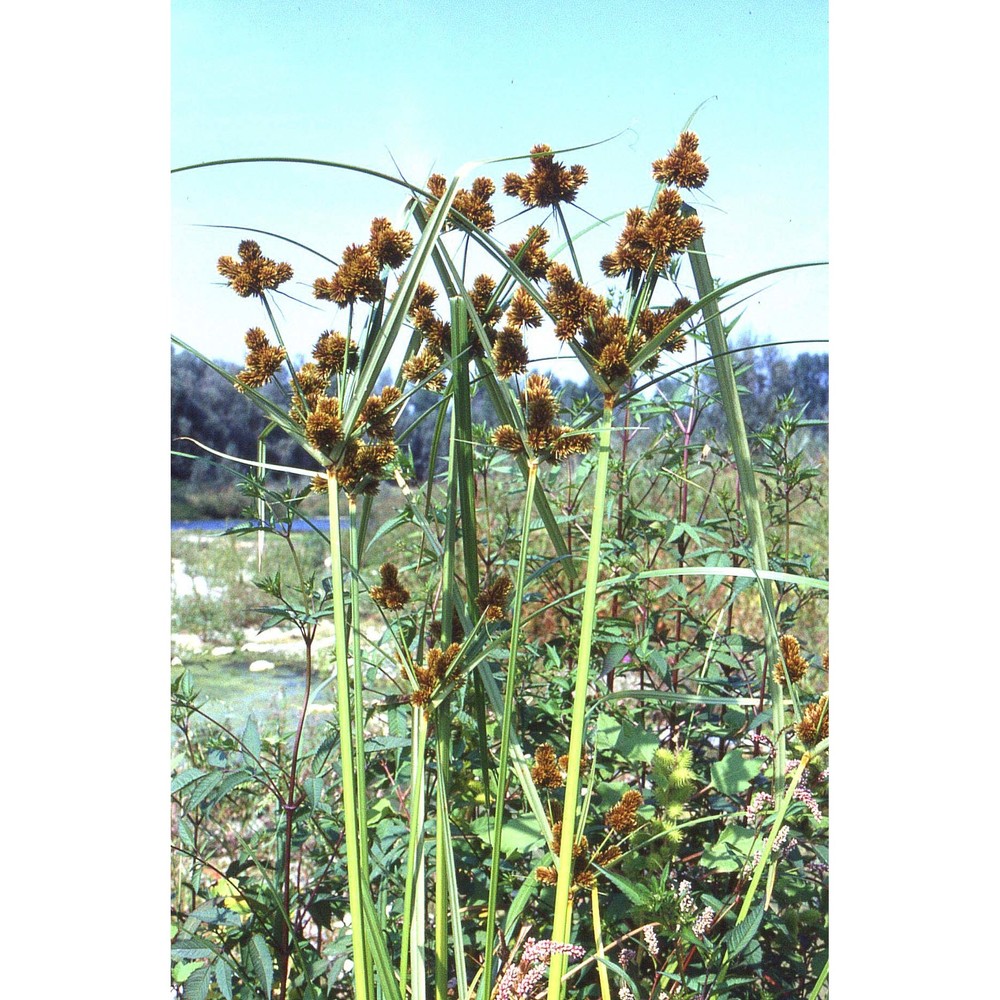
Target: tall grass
461	648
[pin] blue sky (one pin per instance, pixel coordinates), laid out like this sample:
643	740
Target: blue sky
436	85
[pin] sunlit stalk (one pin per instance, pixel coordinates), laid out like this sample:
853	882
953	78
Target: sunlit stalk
561	920
505	728
351	831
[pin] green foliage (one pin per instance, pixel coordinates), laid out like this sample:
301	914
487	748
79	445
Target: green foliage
535	659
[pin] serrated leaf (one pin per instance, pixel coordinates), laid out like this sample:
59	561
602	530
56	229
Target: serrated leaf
185	778
224	978
182	971
635	893
191	947
251	737
260	959
734	773
196	985
186	832
742	934
203	787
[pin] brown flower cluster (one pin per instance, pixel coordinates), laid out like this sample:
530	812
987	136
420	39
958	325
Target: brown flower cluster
254	272
493	598
652	238
262	362
622	818
530	255
584	877
795	662
359	274
430	676
546	773
510	355
423	367
815	724
548	182
436	629
473	203
546	438
683	165
360	466
391	595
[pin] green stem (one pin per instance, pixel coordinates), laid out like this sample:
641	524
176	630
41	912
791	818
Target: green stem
562	918
505	729
359	710
748	490
351	831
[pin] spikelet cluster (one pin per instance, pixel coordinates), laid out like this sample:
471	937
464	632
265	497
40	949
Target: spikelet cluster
682	166
622	817
253	273
391	594
473	203
815	724
548	182
530	255
359	277
795	662
545	772
492	599
431	675
584	874
426	365
545	436
652	238
361	458
262	361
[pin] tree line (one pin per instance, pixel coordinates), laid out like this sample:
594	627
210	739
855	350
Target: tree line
205	407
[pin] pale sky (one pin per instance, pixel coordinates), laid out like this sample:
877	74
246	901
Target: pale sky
439	84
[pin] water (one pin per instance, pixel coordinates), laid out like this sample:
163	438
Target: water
219	525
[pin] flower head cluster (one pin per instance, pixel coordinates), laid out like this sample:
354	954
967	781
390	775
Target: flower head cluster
359	276
473	203
432	673
493	598
545	772
622	817
546	437
584	876
530	255
682	166
262	362
652	945
815	724
332	353
685	901
360	464
795	662
391	595
520	980
652	238
425	366
548	182
253	273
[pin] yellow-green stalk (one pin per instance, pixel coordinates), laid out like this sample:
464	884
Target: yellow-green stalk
561	920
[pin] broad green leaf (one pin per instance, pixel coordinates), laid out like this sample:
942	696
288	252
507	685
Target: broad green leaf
625	738
520	833
742	934
185	778
191	947
260	959
635	893
196	985
731	850
251	737
734	773
224	977
183	971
